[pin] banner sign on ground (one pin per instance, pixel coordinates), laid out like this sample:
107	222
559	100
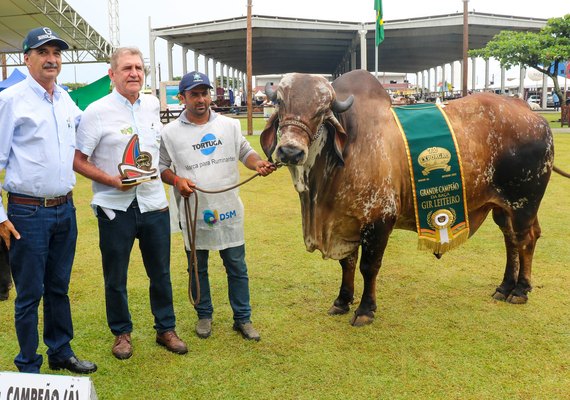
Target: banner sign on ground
20	386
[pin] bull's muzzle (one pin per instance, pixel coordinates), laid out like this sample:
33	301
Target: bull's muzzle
290	154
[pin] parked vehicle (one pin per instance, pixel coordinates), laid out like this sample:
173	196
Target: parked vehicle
533	98
536	99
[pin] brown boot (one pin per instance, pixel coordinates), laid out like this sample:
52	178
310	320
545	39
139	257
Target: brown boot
122	349
172	342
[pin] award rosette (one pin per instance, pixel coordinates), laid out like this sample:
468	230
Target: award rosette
436	177
137	165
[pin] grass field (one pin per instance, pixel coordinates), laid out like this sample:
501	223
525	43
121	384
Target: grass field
438	334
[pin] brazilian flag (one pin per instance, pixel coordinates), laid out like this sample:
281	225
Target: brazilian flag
379	22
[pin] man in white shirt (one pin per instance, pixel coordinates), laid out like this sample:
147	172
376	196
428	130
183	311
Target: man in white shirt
37	144
237	102
118	148
202	148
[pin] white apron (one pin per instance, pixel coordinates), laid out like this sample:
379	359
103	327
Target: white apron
208	155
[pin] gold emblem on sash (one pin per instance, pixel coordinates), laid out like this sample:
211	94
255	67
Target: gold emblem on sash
441	221
434	158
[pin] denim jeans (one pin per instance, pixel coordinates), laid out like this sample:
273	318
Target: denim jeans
116	239
5	276
238	283
41	262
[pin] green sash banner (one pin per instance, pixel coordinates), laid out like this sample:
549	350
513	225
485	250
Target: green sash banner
436	174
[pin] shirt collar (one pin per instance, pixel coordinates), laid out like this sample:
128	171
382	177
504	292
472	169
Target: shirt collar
184	120
123	100
40	91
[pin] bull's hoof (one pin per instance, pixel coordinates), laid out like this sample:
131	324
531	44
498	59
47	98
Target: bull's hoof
337	310
499	296
517	299
362	320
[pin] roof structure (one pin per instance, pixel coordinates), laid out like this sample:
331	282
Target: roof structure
315	46
17	17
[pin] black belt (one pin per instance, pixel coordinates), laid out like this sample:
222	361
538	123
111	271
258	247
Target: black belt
39	201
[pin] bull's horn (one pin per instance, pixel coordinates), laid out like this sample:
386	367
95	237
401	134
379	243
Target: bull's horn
342	106
270	93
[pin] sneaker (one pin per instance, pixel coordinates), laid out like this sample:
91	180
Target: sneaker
172	342
122	348
204	328
247	331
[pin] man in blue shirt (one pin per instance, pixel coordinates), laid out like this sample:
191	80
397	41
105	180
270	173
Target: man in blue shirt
37	145
556	101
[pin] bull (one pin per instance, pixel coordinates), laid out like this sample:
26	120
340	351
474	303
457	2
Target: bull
348	163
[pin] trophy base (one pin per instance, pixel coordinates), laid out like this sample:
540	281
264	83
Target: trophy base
138	180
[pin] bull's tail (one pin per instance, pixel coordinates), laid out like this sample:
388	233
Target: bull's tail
559	171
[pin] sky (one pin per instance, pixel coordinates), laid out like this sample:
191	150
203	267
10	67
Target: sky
134	19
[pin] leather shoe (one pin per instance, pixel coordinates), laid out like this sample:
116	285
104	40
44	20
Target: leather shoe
73	364
204	328
172	342
122	348
247	331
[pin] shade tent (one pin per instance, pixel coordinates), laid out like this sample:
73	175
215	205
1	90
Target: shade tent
94	91
15	77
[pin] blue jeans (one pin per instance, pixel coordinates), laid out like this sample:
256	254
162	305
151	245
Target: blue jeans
41	262
5	276
116	239
238	283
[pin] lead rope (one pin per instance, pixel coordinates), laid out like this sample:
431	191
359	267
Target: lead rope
191	224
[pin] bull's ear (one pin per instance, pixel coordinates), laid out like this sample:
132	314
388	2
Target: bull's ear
340	139
268	137
340	136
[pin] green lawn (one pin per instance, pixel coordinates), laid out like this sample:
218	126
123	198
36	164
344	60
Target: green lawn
438	334
258	123
553	119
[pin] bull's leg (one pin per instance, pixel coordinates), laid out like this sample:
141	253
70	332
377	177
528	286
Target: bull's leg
374	241
520	241
526	245
345	297
512	267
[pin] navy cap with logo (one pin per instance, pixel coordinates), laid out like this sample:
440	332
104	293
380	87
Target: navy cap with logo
40	36
193	79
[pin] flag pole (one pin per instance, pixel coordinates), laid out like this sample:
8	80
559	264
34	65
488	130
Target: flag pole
378	32
376	61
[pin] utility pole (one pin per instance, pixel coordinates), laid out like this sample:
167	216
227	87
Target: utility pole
465	66
249	70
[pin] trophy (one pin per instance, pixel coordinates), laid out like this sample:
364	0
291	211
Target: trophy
137	165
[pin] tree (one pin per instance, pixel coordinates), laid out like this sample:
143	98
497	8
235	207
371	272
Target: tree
543	50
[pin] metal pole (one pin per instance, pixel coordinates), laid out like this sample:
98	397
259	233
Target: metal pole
465	48
249	71
4	68
375	61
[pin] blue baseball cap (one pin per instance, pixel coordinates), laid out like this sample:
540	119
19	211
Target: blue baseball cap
40	36
193	79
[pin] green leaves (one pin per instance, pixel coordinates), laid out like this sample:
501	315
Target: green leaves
550	46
